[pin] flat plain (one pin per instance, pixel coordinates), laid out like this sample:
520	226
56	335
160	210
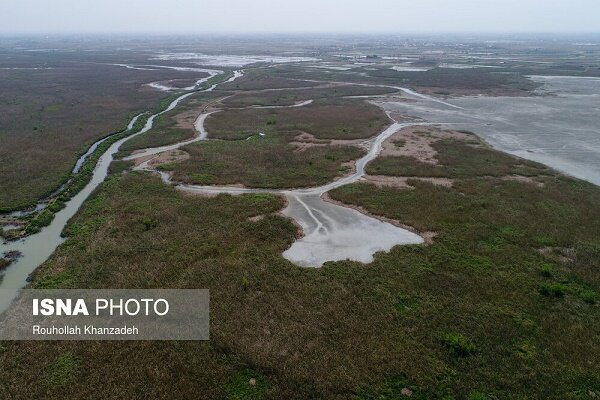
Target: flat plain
500	301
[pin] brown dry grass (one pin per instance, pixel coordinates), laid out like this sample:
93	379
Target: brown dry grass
402	181
168	157
52	115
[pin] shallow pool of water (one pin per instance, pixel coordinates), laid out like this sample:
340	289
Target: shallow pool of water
559	128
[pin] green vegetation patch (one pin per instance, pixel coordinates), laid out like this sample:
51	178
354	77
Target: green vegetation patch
458	345
552	289
487	254
452	163
325	119
263	163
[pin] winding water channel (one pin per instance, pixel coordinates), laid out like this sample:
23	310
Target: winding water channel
331	232
37	248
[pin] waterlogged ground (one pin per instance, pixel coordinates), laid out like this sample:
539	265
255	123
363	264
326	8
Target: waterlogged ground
330	232
501	303
234	61
480	313
560	127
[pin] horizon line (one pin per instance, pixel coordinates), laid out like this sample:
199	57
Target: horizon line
248	33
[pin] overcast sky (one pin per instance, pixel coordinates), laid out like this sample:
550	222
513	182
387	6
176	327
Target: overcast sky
178	16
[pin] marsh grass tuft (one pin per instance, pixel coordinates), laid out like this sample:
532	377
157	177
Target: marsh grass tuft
458	345
552	289
547	270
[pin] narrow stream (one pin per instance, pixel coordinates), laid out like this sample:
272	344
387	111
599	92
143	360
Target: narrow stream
37	248
43	203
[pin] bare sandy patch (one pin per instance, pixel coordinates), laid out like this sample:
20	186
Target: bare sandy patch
309	138
140	160
523	179
257	218
402	181
306	140
185	120
303	146
416	141
168	157
362	143
560	254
